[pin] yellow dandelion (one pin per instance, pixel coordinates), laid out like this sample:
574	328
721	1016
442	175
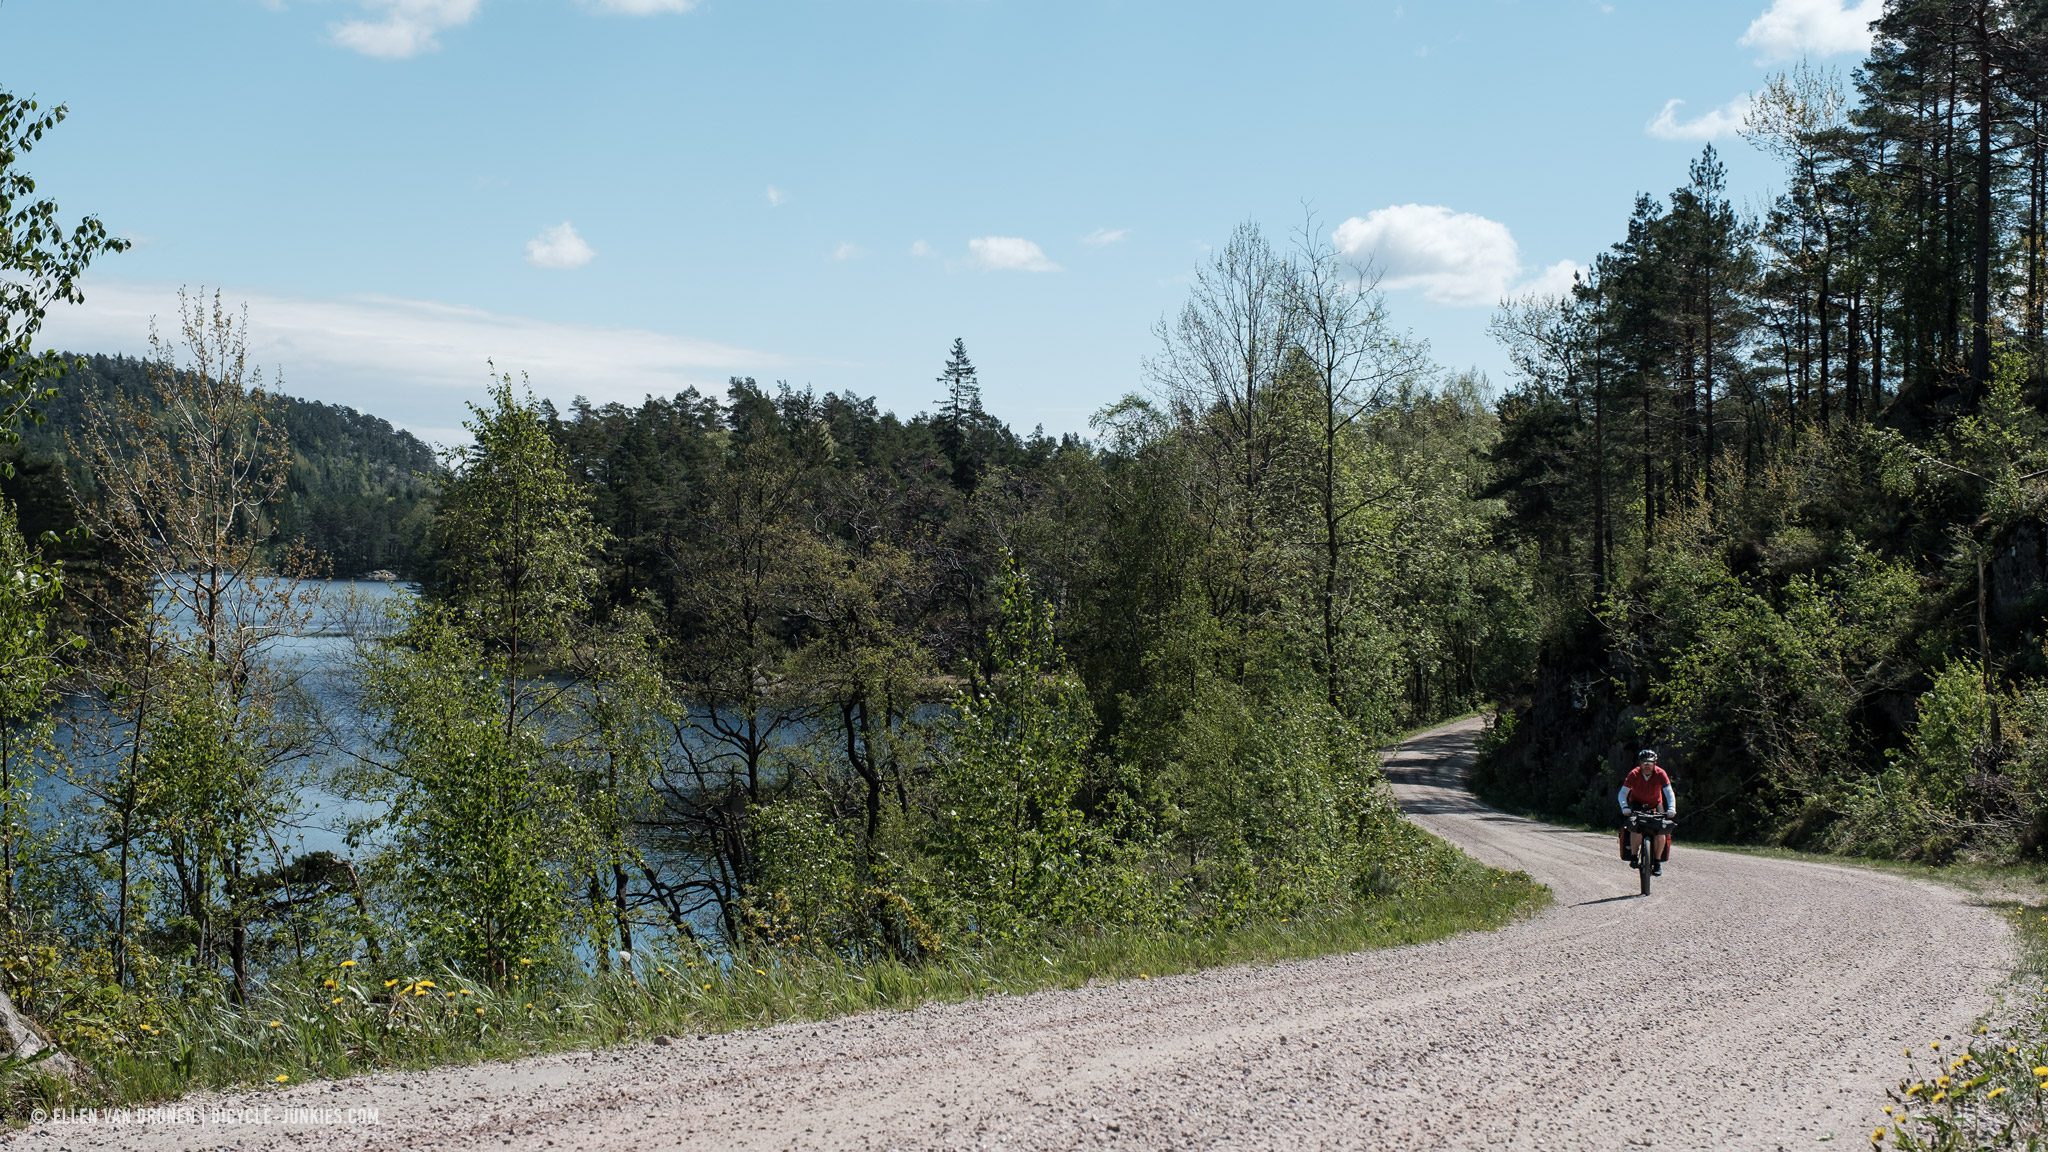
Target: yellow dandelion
336	1000
1937	1098
1941	1082
328	984
467	992
479	1011
277	1023
1877	1136
523	962
280	1078
1918	1088
2041	1070
390	982
1936	1044
1995	1093
707	987
348	963
426	983
419	992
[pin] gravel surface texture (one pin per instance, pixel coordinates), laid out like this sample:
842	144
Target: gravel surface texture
1747	1003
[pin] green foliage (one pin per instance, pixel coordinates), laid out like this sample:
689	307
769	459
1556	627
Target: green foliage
515	539
41	263
1918	805
1011	847
482	827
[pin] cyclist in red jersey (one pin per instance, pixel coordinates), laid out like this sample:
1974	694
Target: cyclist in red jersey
1647	787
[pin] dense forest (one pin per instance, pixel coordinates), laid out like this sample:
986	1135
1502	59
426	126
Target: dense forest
1779	481
359	493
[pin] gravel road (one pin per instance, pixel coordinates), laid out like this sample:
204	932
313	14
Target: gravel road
1772	1017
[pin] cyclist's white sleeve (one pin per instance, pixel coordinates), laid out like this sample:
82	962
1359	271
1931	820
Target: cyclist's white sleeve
1621	798
1670	801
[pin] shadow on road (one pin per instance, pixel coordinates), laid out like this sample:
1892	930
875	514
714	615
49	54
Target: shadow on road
1609	899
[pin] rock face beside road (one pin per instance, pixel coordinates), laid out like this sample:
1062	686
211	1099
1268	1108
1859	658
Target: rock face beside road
1748	1003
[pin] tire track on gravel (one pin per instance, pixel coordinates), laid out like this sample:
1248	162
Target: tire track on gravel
1785	993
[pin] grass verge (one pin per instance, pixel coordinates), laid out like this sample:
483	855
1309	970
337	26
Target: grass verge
350	1020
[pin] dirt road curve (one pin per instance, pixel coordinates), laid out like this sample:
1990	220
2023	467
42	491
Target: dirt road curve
1775	1021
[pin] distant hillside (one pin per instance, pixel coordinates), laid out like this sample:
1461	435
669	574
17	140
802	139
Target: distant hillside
361	492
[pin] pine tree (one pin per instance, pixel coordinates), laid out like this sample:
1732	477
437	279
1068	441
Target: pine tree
960	418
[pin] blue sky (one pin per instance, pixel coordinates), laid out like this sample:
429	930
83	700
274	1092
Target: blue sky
624	196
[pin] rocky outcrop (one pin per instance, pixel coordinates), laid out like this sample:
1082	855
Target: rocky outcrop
20	1039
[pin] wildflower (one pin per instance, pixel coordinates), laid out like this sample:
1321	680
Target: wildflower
479	1011
1936	1044
426	983
328	984
2041	1070
1941	1082
1887	1109
467	992
390	982
1877	1136
280	1078
759	972
707	987
1995	1093
277	1023
336	1000
1937	1098
523	962
348	963
1918	1088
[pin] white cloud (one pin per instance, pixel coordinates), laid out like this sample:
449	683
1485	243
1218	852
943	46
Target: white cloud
558	247
402	28
1713	125
639	7
397	29
920	250
1555	280
777	197
1790	29
1102	236
1450	257
1009	254
846	252
416	362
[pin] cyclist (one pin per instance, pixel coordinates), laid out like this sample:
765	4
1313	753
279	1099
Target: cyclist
1647	787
